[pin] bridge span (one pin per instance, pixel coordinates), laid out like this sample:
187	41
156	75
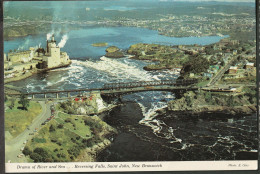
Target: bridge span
117	89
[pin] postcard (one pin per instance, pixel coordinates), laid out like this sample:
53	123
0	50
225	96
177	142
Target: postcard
129	85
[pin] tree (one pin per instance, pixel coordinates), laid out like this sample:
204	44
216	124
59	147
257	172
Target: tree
12	103
196	64
208	97
5	98
24	102
52	128
26	151
36	157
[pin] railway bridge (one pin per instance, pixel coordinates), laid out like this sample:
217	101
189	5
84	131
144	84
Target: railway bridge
117	89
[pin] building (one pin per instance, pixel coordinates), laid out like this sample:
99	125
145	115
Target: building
249	66
52	57
209	75
35	60
232	70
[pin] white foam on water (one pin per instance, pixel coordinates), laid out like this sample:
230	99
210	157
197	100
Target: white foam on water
160	129
117	69
100	104
51	83
30	87
155	77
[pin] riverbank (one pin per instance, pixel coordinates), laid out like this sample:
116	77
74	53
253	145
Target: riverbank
200	102
19	77
29	73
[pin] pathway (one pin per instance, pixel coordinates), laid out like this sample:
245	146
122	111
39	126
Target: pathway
13	146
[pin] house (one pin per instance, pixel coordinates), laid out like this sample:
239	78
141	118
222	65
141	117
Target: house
249	66
207	75
232	70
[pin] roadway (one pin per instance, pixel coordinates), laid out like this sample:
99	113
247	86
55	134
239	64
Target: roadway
13	146
221	72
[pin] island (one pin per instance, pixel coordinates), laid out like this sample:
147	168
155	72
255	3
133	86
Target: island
101	44
114	52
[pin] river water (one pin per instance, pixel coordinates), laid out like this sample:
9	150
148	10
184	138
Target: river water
143	135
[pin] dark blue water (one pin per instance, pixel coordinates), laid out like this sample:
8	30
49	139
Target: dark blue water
79	42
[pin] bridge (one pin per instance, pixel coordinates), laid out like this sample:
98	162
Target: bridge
112	89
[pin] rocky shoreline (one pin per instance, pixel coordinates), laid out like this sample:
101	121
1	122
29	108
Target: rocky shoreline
114	52
213	110
89	154
31	72
20	77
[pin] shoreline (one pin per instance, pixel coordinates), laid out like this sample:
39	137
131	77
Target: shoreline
30	73
213	109
90	154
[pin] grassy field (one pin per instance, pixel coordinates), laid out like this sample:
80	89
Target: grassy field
203	83
74	124
56	143
17	120
64	137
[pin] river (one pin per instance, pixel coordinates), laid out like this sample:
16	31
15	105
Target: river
143	135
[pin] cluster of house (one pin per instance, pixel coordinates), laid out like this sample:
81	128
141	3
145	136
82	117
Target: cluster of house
234	69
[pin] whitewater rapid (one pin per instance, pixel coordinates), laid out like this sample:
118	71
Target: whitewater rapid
94	74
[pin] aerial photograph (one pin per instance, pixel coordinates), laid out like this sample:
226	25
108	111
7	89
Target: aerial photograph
130	80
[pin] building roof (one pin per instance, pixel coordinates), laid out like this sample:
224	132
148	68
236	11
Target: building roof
250	64
233	67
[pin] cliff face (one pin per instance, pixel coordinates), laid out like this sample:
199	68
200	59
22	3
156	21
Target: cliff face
231	103
92	104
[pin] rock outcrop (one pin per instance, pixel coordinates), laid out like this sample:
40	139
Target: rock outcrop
202	102
86	105
114	52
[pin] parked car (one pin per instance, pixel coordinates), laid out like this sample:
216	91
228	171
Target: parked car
20	156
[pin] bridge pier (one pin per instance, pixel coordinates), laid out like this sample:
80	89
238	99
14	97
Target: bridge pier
45	96
68	94
57	95
33	96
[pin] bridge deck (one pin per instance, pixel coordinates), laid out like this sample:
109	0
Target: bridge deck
119	88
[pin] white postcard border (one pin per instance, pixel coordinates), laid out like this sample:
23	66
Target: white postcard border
131	166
